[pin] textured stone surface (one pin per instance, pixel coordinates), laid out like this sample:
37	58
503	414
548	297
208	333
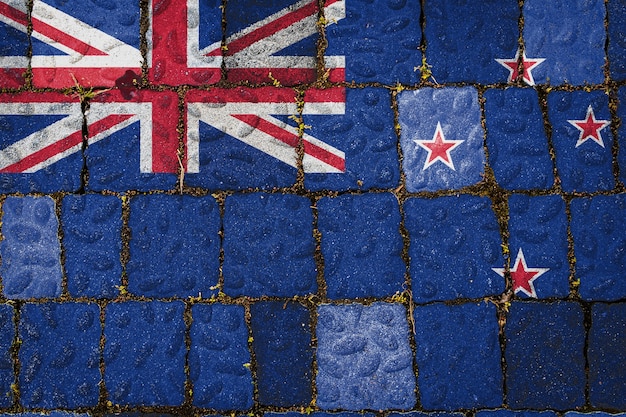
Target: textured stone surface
455	242
31	265
458	356
598	227
144	355
175	247
92	239
268	245
456	110
14	44
59	355
617	38
621	112
7	334
423	414
544	355
515	413
363	357
516	139
361	244
320	414
218	358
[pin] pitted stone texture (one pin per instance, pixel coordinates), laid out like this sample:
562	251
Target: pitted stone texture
92	239
362	245
31	265
593	414
218	357
59	355
174	250
268	245
466	37
144	355
455	241
515	413
363	36
598	227
457	110
617	39
538	226
606	356
621	133
544	355
364	359
422	414
7	334
570	36
365	133
14	44
458	356
319	414
284	356
587	167
516	139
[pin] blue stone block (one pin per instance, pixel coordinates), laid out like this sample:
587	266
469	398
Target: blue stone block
318	414
174	250
544	355
144	354
569	36
92	238
423	414
516	139
538	226
364	132
268	245
464	39
363	357
621	133
515	413
361	244
217	359
593	414
7	334
59	355
442	138
455	241
617	39
282	344
31	264
598	228
363	36
606	356
458	356
583	163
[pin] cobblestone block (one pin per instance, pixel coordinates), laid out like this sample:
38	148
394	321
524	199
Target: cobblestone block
144	355
282	344
218	358
7	335
14	44
544	355
455	241
92	239
364	359
362	246
268	246
59	355
31	265
617	39
458	356
175	247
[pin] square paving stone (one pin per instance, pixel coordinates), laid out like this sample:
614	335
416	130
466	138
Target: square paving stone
31	252
362	33
464	39
582	140
144	354
458	356
59	355
616	51
268	245
362	245
544	355
442	138
14	43
363	357
606	355
284	356
569	36
92	240
516	139
455	241
174	250
7	375
598	227
218	358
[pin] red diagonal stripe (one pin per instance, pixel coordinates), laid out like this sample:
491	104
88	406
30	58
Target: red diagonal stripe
13	14
65	39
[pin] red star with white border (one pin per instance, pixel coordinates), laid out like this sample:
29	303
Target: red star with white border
527	63
590	128
523	276
439	148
